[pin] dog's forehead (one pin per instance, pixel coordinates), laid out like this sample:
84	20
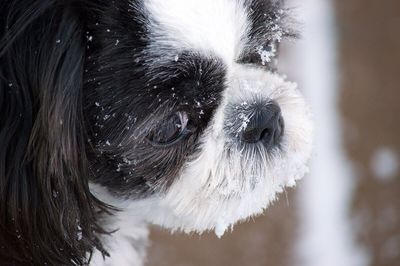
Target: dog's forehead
219	27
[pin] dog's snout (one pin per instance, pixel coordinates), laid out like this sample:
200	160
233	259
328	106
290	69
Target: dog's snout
265	125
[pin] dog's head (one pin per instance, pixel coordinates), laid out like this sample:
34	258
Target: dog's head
171	105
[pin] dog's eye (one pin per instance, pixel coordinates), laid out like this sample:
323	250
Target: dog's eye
170	131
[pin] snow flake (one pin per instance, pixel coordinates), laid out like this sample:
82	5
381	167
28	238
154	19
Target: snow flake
266	54
79	234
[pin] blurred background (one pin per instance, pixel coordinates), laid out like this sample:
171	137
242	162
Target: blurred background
346	212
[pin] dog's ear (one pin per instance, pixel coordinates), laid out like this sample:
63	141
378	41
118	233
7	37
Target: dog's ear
47	214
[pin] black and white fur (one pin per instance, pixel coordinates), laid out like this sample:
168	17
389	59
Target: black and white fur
89	92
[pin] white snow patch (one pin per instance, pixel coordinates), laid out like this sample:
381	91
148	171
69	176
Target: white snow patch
326	234
385	164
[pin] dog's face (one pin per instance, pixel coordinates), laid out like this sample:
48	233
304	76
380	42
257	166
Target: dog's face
186	111
173	107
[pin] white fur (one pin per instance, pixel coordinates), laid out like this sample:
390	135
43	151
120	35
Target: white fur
127	245
223	184
217	27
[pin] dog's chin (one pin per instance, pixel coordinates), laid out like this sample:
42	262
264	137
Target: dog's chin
226	182
224	199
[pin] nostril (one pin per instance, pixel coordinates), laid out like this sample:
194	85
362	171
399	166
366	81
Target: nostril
251	135
272	135
265	133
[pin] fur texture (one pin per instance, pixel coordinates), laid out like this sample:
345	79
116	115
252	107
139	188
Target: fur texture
117	114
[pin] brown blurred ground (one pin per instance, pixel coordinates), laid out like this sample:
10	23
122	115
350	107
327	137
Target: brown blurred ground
370	69
369	50
262	241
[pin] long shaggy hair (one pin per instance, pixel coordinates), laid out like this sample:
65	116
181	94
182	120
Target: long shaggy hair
47	213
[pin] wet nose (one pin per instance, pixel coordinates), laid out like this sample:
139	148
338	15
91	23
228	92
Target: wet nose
266	125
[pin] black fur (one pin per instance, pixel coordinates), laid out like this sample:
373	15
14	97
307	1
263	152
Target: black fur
130	91
77	102
47	214
269	23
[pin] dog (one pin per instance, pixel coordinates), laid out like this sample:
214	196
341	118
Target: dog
119	114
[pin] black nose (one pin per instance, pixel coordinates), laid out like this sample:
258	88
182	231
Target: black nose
265	125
